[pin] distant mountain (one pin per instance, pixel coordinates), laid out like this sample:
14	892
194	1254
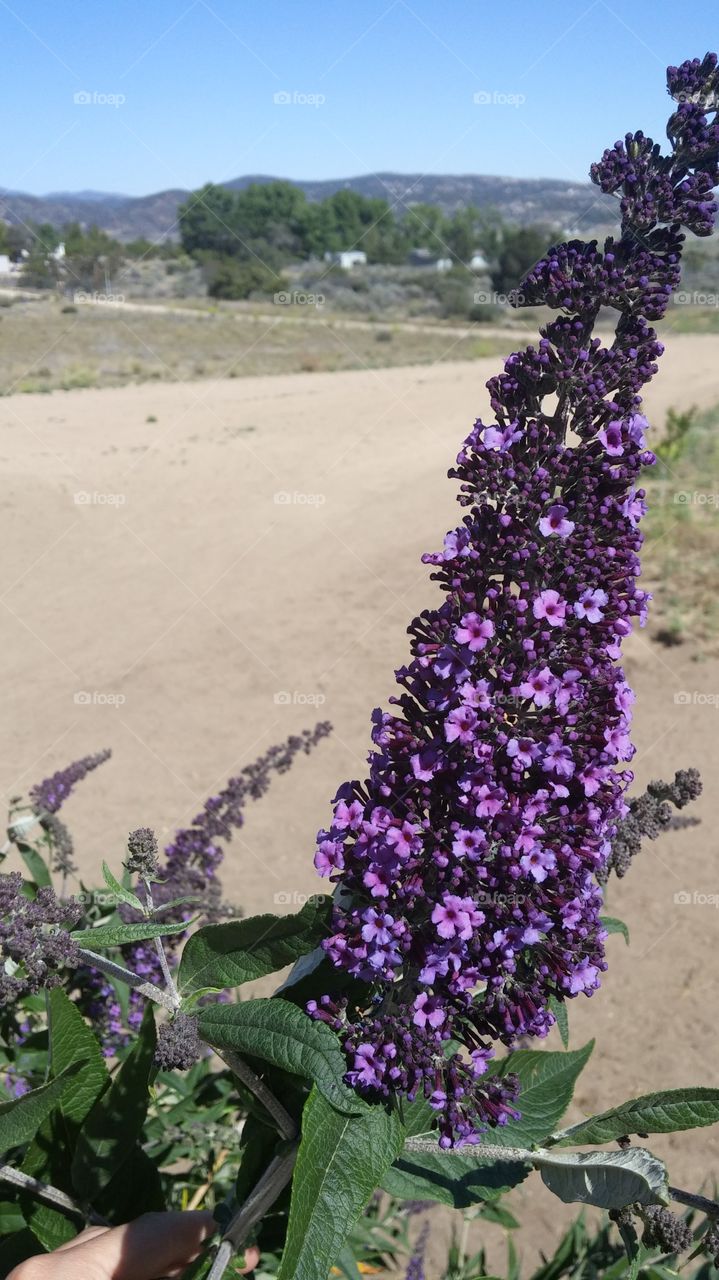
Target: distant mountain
125	217
92	197
570	205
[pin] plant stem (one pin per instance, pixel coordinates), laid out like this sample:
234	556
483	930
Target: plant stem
201	1192
133	980
166	973
694	1202
50	1195
272	1182
482	1150
238	1067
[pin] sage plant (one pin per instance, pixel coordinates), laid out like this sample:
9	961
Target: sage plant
470	859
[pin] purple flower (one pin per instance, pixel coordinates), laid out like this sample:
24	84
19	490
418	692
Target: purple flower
612	437
538	863
190	871
558	757
456	917
590	605
428	1011
523	751
474	631
34	945
539	685
459	725
47	796
498	755
555	522
550	606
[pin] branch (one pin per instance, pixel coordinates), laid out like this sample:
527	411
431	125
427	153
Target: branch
50	1195
282	1117
482	1150
694	1202
273	1181
159	948
133	980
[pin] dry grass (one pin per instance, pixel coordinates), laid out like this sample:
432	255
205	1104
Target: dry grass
682	538
48	346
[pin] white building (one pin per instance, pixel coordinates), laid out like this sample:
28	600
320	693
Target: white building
425	258
346	258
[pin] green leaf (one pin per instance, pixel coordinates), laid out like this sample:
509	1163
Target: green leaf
278	1032
559	1009
136	1188
21	1118
567	1255
669	1111
120	893
452	1178
226	955
631	1244
117	935
115	1123
49	1156
546	1081
35	864
607	1179
341	1161
497	1213
546	1085
615	926
72	1040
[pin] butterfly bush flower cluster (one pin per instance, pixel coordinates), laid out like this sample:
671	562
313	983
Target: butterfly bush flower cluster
469	861
647	816
34	943
48	796
189	872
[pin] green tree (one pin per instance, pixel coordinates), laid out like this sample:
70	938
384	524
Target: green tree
425	227
14	239
39	270
519	249
206	221
232	279
91	257
274	213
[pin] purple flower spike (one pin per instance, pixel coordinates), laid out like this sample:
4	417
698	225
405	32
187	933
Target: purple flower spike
471	868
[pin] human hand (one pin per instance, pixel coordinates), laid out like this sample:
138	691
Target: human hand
153	1246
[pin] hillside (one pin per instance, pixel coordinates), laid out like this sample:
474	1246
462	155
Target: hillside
571	205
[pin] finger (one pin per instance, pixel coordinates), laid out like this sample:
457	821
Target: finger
144	1249
252	1258
88	1234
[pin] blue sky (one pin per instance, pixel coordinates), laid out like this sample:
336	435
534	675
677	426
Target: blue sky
183	91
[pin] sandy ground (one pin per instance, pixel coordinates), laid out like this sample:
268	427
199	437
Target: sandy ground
188	591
